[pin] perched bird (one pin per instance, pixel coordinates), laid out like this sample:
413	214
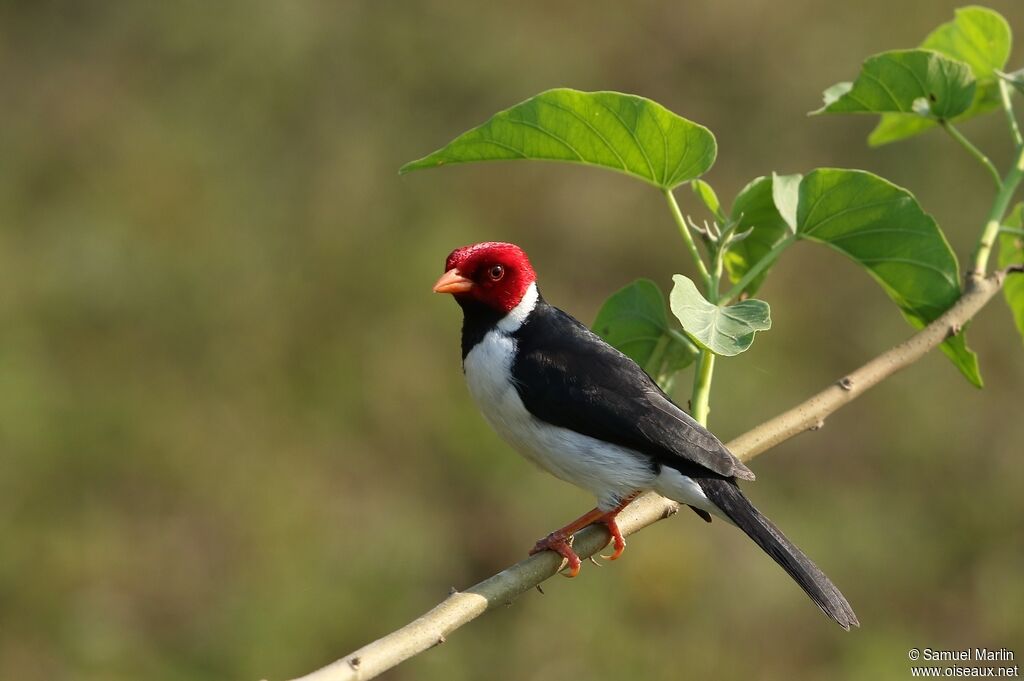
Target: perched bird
585	412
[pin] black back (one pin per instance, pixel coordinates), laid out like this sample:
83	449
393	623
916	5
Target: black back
567	376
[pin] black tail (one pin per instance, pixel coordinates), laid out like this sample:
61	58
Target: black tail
727	496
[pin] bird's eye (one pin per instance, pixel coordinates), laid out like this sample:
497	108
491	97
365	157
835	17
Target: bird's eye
496	272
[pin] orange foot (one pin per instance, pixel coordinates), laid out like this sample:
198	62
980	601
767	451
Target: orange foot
560	541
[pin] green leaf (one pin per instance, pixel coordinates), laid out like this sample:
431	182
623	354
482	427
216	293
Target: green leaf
978	36
709	198
625	133
755	207
965	359
882	227
1011	252
893	127
634	321
786	195
724	330
899	81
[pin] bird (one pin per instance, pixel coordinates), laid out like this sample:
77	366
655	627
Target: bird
583	411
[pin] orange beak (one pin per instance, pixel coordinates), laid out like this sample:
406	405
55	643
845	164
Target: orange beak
452	282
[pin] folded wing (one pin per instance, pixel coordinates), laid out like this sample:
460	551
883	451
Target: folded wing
567	376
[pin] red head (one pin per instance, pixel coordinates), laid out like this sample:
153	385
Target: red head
494	273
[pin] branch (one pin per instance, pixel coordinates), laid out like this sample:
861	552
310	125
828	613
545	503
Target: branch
810	414
462	607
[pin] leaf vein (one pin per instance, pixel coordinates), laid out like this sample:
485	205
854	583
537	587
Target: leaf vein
592	129
888	92
913	74
851	209
916	263
814	206
880	230
502	145
632	134
550	134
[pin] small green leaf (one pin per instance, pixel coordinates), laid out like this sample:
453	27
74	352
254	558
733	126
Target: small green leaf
978	36
708	197
894	127
962	357
786	195
625	133
756	207
893	81
1011	252
883	228
724	330
634	321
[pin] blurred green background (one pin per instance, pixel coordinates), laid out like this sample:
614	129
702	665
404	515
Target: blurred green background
235	441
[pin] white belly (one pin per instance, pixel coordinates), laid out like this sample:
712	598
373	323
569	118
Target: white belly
608	471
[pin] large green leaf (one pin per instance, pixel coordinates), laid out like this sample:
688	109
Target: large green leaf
978	36
724	330
882	227
634	320
755	209
1011	252
611	130
921	82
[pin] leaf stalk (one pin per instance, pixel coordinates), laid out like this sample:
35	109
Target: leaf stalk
691	246
1011	118
760	266
973	151
1008	187
701	401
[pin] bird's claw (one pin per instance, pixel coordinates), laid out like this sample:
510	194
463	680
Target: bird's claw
562	545
560	542
617	539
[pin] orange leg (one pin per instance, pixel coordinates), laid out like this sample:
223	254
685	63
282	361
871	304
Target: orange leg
559	540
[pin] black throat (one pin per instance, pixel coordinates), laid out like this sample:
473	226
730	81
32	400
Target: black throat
477	320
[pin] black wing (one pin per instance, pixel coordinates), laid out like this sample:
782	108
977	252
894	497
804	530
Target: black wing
566	375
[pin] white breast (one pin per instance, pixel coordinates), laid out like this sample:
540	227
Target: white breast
610	472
